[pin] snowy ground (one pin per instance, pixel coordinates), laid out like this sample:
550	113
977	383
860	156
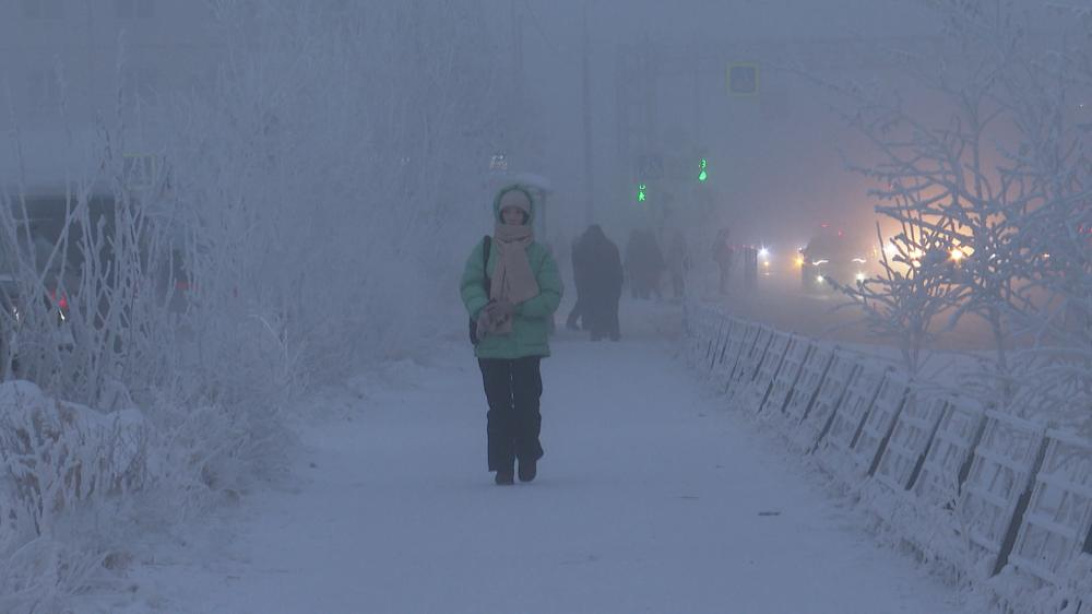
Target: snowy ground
651	498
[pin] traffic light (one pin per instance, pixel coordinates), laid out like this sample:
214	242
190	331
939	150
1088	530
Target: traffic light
642	193
703	172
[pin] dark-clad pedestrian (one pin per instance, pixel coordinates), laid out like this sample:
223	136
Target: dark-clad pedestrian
603	284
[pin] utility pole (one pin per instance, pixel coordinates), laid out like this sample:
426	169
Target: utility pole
589	171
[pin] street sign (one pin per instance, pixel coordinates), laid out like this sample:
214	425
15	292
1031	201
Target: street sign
499	162
743	79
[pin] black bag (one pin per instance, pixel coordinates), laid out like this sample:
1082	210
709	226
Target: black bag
486	244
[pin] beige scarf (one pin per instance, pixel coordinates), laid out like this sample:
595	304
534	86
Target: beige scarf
513	280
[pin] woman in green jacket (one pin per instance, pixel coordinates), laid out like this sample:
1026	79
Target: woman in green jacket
512	297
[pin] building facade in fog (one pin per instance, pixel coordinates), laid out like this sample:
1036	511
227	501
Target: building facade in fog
109	59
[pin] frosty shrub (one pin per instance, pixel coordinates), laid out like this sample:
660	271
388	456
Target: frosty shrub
311	207
56	458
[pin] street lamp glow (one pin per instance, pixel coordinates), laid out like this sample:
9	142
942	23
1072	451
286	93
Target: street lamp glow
764	253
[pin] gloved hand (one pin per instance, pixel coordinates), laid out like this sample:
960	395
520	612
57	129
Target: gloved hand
498	311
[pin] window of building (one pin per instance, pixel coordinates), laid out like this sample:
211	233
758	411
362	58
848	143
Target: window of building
134	9
42	9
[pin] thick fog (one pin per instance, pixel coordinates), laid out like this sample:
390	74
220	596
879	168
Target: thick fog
213	210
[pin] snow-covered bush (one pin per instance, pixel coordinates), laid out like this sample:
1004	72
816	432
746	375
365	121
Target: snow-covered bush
312	207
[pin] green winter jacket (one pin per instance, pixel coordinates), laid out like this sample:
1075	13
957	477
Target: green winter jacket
530	325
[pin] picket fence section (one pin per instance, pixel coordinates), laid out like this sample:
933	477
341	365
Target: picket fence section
833	388
785	380
802	394
1057	524
754	394
905	455
1008	493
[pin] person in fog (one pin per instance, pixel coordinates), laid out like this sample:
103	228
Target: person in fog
512	297
576	318
603	284
678	264
723	255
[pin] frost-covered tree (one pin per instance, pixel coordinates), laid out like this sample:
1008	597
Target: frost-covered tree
970	171
312	198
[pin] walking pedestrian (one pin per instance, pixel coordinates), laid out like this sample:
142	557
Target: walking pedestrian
511	288
603	284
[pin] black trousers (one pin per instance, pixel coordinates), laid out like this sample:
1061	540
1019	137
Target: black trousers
513	389
601	317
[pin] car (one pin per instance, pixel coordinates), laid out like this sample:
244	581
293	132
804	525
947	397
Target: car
833	256
56	249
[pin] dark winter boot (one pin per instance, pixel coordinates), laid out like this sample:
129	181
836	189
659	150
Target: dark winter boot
528	470
504	477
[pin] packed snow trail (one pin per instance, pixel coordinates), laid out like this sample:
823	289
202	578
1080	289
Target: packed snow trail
651	498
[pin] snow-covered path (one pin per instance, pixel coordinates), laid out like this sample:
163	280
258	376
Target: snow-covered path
651	498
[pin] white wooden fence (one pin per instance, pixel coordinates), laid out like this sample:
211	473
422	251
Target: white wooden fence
1001	493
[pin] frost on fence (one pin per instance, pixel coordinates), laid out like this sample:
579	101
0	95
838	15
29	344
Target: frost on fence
946	463
699	324
831	392
54	455
906	449
719	355
749	359
786	380
721	326
751	394
835	447
741	339
879	422
802	394
1058	519
1004	465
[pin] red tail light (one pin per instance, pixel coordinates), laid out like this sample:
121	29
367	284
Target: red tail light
62	303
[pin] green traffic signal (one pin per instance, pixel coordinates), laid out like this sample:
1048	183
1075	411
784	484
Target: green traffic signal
642	195
703	174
